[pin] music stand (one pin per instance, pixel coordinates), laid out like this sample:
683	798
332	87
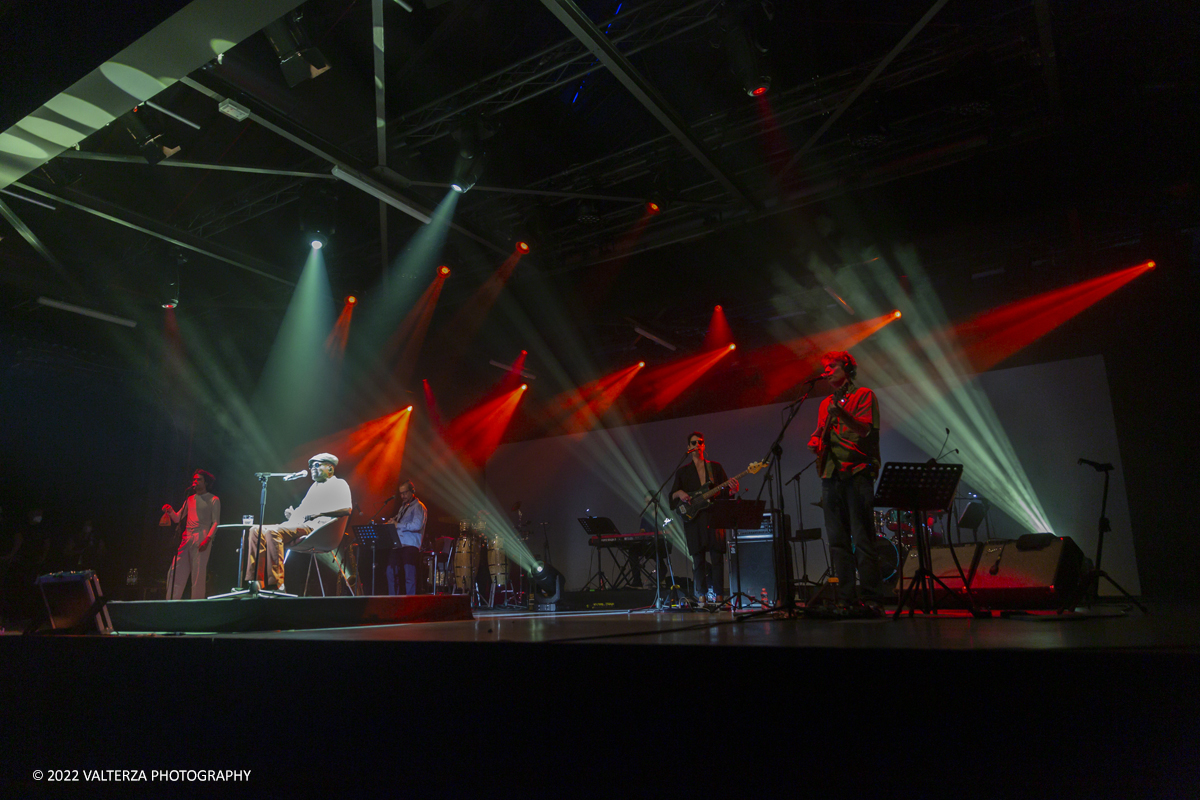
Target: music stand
920	488
737	515
601	527
381	536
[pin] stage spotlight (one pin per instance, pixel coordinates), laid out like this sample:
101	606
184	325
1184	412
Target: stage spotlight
444	271
733	347
641	363
150	144
745	37
896	314
318	209
351	300
319	240
548	583
522	247
298	58
652	207
468	165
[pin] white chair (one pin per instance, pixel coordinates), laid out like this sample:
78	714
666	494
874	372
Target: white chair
323	541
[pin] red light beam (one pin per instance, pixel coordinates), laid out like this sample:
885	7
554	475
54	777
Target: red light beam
991	337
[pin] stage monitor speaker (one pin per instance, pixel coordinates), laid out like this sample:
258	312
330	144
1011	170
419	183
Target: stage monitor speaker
74	602
755	556
942	565
1035	571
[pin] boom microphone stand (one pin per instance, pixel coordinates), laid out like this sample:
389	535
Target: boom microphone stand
658	601
785	592
1089	584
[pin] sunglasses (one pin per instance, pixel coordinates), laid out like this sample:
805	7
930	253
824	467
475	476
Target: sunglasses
696	441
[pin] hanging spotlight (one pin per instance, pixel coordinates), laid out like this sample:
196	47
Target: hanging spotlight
522	247
170	293
744	43
652	207
151	144
317	214
299	59
468	165
444	271
351	300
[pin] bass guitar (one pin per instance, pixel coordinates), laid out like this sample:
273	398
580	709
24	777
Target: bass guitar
702	499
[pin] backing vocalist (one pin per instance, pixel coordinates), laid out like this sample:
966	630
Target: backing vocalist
201	513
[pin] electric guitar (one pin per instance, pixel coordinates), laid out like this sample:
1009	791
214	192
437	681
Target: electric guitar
836	399
702	499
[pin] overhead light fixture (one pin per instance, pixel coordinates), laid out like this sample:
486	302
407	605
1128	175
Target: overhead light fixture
233	110
351	300
470	134
318	213
378	190
299	59
152	145
522	247
744	43
652	207
641	331
444	271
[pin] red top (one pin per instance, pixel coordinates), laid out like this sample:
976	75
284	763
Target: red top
850	453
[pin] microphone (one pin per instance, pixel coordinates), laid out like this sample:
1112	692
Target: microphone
692	449
295	476
826	373
943	447
1098	467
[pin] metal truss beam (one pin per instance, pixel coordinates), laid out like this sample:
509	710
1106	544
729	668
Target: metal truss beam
559	65
151	227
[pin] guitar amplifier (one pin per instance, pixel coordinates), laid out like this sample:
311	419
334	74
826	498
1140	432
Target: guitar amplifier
754	554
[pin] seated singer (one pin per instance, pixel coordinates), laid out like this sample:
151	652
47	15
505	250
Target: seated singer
327	498
410	530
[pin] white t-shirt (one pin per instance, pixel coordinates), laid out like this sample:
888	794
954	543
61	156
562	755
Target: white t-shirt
331	495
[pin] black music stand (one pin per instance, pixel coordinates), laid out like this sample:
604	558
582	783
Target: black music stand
920	488
737	515
380	536
601	527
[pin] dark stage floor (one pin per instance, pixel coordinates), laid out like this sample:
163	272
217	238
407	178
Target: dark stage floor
617	704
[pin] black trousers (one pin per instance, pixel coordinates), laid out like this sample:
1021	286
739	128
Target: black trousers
403	561
850	523
707	549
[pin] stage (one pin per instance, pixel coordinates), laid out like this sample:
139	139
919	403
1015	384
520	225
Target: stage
627	703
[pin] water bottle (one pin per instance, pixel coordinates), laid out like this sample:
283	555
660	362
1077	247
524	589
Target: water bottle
765	602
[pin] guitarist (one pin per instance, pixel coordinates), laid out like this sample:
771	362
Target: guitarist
698	474
846	443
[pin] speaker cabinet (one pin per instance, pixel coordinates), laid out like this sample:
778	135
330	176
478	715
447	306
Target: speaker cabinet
1035	571
69	596
754	556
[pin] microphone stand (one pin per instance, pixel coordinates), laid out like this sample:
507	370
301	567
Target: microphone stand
658	601
254	589
785	595
804	532
1089	584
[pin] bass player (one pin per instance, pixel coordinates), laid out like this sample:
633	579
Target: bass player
846	443
690	479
